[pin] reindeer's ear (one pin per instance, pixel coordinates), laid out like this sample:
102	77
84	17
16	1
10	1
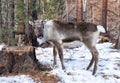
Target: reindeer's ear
31	23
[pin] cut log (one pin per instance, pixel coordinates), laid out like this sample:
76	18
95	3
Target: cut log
20	60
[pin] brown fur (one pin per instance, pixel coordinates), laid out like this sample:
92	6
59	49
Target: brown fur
85	26
58	32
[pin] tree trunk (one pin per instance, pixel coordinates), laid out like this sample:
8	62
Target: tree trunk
0	14
26	2
79	10
104	14
34	12
66	3
117	46
3	11
84	3
12	13
9	19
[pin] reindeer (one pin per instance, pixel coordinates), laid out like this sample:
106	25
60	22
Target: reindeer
59	32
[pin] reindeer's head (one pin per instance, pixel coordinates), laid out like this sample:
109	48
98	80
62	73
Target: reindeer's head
38	27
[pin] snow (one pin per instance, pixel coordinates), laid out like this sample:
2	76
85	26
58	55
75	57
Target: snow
1	46
76	61
16	79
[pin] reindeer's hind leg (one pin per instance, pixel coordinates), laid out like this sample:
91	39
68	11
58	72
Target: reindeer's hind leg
94	53
91	62
94	59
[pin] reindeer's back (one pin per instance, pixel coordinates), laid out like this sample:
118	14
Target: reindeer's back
87	27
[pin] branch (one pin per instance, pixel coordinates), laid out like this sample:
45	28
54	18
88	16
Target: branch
113	12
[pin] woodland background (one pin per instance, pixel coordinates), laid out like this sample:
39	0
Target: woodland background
104	12
13	12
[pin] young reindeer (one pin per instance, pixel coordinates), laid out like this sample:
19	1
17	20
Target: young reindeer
58	32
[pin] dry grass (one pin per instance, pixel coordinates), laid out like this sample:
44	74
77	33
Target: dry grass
37	76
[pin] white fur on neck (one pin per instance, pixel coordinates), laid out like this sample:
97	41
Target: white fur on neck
40	40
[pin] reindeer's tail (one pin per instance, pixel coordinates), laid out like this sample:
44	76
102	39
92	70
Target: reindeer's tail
101	28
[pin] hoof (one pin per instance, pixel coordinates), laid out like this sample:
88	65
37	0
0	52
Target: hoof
53	66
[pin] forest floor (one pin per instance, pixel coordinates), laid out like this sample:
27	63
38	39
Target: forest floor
76	59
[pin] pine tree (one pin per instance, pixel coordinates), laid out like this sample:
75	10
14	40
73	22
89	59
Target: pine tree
52	8
0	15
6	21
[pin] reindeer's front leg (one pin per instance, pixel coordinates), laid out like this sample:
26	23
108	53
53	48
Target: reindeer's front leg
60	52
54	54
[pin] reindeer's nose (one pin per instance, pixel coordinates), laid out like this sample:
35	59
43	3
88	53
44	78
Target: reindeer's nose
40	36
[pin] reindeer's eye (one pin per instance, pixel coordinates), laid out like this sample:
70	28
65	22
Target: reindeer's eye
42	21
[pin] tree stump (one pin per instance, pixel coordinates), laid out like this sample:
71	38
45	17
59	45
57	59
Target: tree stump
18	60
